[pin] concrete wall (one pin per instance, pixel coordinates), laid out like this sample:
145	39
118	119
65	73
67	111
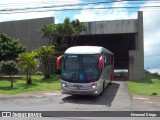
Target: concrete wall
136	63
136	69
135	26
27	31
111	27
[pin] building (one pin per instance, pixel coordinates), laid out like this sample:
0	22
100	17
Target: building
123	37
27	31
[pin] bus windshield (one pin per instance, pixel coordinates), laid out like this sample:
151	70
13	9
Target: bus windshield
80	68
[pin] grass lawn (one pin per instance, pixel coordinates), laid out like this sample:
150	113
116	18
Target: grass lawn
38	84
150	86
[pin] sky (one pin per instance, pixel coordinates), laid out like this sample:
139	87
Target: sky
12	10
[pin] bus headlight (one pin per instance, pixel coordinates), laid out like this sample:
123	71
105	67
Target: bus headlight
64	85
93	86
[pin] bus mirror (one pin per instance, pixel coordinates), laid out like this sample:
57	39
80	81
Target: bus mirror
100	62
58	61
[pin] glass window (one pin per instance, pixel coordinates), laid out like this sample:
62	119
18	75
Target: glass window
90	67
80	68
70	67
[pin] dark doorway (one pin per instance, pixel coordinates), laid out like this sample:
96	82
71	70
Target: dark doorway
119	44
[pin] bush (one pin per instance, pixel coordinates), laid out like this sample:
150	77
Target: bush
45	54
156	74
10	48
10	68
28	63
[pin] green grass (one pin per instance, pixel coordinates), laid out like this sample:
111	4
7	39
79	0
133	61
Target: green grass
38	84
148	86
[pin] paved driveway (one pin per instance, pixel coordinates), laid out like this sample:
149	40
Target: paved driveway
114	98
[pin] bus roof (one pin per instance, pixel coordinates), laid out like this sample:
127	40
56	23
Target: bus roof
86	50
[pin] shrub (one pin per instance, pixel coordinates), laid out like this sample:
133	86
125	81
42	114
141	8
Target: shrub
10	68
45	54
28	63
10	48
156	74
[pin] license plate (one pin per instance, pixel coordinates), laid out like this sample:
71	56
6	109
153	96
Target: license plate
77	93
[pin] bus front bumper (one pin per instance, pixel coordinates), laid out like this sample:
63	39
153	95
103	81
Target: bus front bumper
80	92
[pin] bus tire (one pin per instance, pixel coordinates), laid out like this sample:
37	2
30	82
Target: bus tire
103	87
111	79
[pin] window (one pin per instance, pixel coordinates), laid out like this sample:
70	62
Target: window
80	68
70	67
90	66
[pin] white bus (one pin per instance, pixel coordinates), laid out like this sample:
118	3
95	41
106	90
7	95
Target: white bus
86	70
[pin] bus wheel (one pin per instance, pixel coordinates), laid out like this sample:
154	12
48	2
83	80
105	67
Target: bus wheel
111	79
110	82
102	89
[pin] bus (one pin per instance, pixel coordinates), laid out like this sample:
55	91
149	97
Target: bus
85	70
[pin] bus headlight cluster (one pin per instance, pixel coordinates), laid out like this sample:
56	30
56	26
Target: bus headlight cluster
64	85
94	85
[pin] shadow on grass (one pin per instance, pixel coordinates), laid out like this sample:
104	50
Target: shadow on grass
21	82
7	88
27	86
49	81
52	79
15	79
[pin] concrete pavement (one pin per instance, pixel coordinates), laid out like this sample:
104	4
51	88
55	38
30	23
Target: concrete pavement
114	98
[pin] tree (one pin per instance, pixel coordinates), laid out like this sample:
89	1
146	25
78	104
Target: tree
50	32
10	48
67	32
78	28
63	35
10	68
28	63
45	54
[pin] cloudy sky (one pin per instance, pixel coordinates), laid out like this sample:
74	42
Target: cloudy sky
93	10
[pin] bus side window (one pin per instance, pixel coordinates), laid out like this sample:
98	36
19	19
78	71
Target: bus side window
105	59
108	59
